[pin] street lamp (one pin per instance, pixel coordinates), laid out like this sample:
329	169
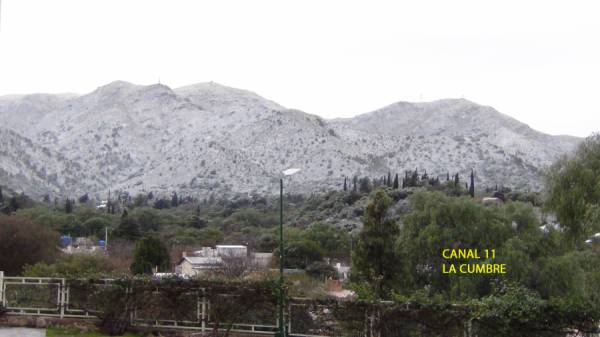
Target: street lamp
288	172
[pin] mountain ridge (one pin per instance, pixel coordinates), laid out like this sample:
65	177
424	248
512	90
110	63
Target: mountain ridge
206	139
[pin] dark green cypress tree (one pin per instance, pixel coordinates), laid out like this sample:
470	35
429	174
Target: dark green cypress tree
128	228
472	187
389	179
1	197
345	185
354	182
68	206
396	182
447	176
456	180
150	252
174	200
375	260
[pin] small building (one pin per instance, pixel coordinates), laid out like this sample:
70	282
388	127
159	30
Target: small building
491	201
190	266
262	260
232	250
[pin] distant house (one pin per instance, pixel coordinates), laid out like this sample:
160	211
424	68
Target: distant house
232	250
209	259
342	270
491	201
262	260
190	266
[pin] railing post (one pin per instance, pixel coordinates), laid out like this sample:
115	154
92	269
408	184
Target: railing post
203	312
1	287
289	321
62	298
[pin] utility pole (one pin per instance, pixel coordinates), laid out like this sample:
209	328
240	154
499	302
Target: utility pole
281	324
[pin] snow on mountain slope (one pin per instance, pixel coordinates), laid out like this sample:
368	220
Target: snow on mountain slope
207	138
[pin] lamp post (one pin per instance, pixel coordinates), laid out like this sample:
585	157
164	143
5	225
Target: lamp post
281	302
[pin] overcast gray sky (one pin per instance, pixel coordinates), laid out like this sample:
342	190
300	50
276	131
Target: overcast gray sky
538	61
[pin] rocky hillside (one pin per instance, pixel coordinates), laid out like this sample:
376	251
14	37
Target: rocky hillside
210	139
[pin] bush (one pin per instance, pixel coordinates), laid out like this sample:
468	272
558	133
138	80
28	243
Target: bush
23	241
320	269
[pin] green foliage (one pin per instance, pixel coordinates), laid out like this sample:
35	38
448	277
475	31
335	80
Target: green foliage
320	269
23	242
517	311
573	186
71	266
96	226
150	252
375	260
301	253
333	241
438	222
128	228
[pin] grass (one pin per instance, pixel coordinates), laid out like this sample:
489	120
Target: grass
59	332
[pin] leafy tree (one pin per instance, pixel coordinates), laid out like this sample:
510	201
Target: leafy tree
375	259
23	241
150	252
13	205
84	199
95	226
365	185
301	253
320	269
573	186
210	237
162	203
148	219
333	241
128	228
440	222
266	243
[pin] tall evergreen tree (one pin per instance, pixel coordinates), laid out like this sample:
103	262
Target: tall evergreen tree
472	187
354	182
375	260
68	206
174	200
150	252
389	179
396	182
345	185
128	228
1	197
447	176
456	180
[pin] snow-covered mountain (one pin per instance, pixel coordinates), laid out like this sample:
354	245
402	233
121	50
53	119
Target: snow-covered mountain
208	139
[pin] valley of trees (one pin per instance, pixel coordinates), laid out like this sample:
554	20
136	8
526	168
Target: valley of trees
391	229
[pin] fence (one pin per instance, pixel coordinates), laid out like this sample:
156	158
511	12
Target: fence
46	296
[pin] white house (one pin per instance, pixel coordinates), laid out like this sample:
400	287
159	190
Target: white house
232	251
207	259
190	266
